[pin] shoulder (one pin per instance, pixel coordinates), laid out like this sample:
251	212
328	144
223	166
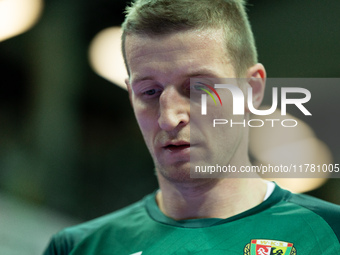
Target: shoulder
115	219
64	241
327	212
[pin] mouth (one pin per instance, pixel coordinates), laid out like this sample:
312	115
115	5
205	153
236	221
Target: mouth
177	146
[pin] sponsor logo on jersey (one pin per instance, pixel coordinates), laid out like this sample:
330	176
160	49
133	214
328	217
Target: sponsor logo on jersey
269	247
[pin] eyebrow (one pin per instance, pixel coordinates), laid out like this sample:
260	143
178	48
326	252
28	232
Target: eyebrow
142	78
203	72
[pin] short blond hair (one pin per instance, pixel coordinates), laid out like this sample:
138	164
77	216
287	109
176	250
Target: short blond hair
160	17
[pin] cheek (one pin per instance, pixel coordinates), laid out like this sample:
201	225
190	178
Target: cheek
146	118
222	112
147	121
144	111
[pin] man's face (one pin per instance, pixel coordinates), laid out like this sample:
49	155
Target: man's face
159	87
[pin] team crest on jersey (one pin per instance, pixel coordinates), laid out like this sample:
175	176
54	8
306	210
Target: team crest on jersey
269	247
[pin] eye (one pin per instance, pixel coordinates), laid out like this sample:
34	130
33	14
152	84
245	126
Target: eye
150	92
193	88
199	87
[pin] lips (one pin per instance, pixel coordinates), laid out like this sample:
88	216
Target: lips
176	146
174	151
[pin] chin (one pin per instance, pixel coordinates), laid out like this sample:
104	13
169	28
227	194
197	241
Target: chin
177	173
180	175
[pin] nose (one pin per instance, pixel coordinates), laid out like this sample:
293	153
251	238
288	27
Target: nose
174	109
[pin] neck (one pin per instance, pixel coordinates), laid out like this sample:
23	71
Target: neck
209	198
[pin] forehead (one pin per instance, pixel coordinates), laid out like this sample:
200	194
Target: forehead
185	49
174	40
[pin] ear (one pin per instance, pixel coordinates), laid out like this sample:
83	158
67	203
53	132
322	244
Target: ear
128	86
256	76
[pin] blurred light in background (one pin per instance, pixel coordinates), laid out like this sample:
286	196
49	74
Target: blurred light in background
106	58
285	146
17	16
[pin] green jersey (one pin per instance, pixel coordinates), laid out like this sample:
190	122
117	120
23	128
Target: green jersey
284	224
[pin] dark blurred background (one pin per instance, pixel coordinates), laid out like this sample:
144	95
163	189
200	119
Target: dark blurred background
69	142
